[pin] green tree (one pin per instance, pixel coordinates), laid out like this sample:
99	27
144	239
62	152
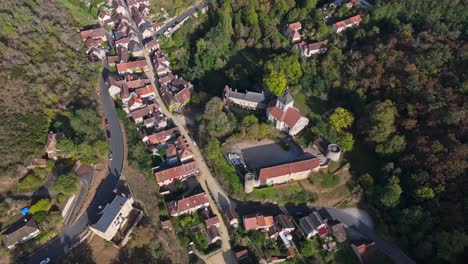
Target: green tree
390	195
424	193
341	119
307	249
366	181
345	140
40	216
67	183
451	246
396	144
85	124
41	205
275	81
382	117
217	122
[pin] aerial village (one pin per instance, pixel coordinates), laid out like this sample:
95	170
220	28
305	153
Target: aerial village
176	173
140	82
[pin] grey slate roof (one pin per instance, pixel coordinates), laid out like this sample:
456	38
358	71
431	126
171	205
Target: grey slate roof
284	221
109	213
249	96
338	230
19	230
311	222
286	97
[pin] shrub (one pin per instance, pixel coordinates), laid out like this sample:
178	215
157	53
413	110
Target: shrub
45	236
60	198
30	183
41	205
66	183
40	216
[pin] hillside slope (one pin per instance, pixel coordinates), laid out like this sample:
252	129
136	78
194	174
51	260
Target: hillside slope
43	69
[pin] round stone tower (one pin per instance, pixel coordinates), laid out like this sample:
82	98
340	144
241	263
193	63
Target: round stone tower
249	183
333	152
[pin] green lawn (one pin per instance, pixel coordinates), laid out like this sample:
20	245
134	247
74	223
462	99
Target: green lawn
328	180
294	193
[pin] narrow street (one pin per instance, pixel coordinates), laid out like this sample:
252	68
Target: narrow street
218	198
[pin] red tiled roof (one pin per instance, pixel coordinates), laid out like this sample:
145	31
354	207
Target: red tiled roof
242	254
340	24
125	40
295	26
134	100
285	169
148	89
275	112
90	42
258	221
93	33
367	250
191	202
133	84
183	170
166	79
162	136
317	45
212	221
291	251
290	116
112	59
183	147
349	21
139	113
322	231
183	95
122	67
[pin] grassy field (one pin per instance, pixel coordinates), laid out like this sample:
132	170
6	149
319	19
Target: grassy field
282	194
329	180
80	13
309	104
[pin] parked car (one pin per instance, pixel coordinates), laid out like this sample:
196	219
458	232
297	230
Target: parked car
110	156
47	260
107	122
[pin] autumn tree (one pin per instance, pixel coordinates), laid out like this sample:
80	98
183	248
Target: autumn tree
341	119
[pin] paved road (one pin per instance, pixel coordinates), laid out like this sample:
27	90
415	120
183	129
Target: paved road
181	17
61	244
85	180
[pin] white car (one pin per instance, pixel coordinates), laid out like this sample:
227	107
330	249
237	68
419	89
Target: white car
47	260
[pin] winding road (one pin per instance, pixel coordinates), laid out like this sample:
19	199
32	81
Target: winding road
62	243
180	17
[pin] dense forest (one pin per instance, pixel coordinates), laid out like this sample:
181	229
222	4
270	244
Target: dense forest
400	76
46	77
